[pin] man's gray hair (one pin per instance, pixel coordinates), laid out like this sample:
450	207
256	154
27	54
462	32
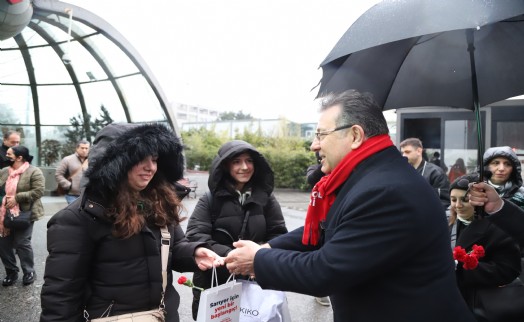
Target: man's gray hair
8	133
357	109
82	142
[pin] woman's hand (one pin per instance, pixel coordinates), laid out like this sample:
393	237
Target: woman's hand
10	202
206	258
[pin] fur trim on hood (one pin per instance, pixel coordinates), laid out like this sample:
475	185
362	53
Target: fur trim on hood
118	147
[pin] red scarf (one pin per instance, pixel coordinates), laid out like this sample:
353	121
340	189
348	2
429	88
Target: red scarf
323	193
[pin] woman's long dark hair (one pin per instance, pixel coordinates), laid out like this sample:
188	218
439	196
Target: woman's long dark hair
158	204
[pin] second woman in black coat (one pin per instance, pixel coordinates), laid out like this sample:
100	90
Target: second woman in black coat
501	263
239	205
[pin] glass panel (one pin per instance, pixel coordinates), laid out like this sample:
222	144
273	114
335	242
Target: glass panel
48	66
99	94
142	102
16	105
58	104
12	66
86	67
59	35
461	142
510	133
114	57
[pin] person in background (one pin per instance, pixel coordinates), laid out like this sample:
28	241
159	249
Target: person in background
313	175
437	161
458	169
501	263
240	204
11	138
368	241
504	173
411	149
24	187
105	247
71	169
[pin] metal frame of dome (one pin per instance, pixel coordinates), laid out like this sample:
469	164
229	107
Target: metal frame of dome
53	12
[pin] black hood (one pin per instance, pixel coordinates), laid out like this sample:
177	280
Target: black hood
263	176
118	147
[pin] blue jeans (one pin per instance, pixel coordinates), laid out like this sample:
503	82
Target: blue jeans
21	241
70	198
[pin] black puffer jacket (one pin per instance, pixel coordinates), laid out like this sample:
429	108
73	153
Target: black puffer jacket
87	266
265	219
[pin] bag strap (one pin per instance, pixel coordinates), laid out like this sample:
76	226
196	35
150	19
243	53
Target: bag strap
244	225
164	251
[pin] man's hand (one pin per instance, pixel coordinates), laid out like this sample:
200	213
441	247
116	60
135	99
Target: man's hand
241	260
206	258
482	194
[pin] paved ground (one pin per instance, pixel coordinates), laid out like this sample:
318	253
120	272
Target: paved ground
22	303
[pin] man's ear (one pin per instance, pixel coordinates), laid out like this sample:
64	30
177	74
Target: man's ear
358	136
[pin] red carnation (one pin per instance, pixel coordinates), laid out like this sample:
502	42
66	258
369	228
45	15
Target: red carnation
182	280
459	253
469	260
478	251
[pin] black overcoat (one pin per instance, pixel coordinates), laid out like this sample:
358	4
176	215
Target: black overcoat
385	254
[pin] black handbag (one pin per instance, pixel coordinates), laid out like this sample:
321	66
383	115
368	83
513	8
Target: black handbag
503	303
20	222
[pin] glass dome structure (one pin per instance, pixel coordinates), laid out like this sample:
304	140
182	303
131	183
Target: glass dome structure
71	64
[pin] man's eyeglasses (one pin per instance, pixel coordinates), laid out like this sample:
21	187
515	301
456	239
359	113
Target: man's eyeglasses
320	135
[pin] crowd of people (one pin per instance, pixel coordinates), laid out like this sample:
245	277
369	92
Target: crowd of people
375	235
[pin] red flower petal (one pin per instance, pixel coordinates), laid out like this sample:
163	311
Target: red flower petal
182	279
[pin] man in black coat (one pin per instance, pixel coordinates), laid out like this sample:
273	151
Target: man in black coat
11	138
375	238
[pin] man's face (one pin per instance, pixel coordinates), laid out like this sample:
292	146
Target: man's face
331	147
501	169
12	140
83	150
413	154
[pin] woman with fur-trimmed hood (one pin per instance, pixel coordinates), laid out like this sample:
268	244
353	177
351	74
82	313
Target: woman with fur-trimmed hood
239	205
104	248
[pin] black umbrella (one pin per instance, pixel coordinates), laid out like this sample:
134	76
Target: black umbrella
453	53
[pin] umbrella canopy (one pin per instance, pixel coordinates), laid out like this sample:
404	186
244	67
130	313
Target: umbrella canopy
452	53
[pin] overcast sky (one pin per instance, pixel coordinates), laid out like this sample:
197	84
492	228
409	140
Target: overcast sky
258	56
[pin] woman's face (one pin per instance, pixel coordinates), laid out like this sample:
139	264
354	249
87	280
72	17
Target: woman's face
11	155
461	204
501	169
142	173
241	169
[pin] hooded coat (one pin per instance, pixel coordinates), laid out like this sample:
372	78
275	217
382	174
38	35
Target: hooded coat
90	269
219	215
513	190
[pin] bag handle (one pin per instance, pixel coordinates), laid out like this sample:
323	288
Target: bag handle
214	277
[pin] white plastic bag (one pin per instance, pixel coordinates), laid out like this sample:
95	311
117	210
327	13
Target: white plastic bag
258	305
220	303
